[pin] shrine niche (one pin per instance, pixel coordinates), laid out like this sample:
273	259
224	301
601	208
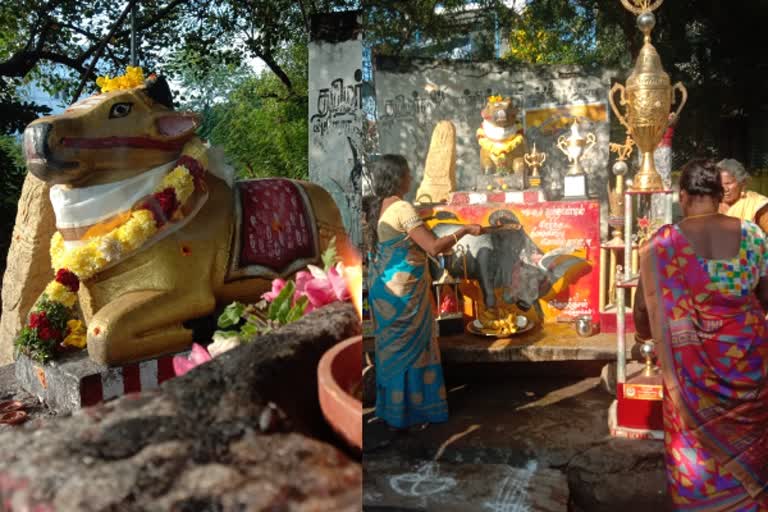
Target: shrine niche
151	228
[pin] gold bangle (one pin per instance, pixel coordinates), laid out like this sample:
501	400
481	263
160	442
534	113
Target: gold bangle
455	238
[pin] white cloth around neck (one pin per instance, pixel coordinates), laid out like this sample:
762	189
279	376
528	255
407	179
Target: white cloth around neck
78	207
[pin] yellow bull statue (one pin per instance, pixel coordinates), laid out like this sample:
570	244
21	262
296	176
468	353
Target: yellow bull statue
105	158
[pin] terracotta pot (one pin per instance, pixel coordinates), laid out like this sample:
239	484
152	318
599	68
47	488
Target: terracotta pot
339	372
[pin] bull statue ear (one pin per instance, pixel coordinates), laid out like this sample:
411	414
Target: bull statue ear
157	88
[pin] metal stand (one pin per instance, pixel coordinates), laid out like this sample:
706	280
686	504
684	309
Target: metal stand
634	409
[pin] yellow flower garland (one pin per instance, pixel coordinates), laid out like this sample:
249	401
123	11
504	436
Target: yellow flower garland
133	77
501	147
89	259
77	334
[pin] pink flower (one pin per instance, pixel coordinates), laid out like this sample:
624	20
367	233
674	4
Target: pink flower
277	286
319	292
322	288
198	356
338	283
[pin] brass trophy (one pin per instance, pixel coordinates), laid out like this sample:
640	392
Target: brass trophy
534	160
648	97
574	146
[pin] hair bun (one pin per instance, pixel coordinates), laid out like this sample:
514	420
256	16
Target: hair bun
701	177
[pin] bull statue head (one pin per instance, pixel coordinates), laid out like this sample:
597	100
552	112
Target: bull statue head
96	140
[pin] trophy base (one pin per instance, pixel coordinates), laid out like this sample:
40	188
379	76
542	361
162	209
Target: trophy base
647	183
534	182
575	187
648	178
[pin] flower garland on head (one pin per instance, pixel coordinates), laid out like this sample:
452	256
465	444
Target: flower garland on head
133	77
52	323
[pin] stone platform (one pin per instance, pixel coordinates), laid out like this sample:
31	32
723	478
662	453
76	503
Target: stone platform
75	381
551	342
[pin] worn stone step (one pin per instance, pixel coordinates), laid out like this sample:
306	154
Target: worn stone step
427	485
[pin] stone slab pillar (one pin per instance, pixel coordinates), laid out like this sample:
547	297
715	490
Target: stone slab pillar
335	112
28	270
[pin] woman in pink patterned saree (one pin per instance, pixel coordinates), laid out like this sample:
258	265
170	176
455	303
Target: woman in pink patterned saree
702	297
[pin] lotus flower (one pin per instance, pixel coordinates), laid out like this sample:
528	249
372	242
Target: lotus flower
197	356
277	285
322	288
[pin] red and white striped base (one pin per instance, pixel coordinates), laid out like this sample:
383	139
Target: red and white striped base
121	380
75	381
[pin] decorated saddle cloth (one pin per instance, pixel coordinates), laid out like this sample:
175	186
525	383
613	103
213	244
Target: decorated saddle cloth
276	232
409	377
711	331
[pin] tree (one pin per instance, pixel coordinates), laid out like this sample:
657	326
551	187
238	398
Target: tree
244	126
427	28
704	44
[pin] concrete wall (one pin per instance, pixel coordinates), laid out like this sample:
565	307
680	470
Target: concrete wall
336	125
411	97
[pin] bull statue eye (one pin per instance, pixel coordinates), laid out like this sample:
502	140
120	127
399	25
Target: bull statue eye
120	110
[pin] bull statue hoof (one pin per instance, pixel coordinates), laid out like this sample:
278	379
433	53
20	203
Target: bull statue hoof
152	229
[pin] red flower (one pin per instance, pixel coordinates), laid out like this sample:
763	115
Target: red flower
162	205
68	279
38	320
643	222
48	333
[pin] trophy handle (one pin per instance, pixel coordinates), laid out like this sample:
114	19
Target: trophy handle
683	96
622	100
543	159
562	145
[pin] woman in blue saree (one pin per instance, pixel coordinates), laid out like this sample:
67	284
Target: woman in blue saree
410	390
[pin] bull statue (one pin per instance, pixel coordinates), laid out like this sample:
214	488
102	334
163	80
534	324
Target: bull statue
152	229
504	258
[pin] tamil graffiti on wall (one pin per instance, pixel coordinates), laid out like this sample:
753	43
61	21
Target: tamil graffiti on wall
336	123
412	99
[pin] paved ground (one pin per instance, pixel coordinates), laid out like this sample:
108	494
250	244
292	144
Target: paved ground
515	443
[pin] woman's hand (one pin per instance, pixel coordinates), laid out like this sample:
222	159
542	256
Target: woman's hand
474	229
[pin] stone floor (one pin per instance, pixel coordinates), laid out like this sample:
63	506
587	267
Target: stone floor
515	441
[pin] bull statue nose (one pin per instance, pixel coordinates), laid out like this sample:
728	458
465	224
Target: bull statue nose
501	116
36	142
41	161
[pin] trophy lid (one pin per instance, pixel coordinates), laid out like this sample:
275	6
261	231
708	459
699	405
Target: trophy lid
648	63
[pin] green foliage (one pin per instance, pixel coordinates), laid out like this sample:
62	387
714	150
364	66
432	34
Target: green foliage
231	315
254	320
330	257
418	28
262	127
29	343
581	32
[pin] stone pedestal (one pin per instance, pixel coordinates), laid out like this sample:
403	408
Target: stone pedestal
75	381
